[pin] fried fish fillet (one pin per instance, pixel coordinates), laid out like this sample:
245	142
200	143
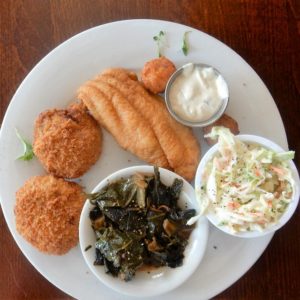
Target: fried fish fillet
140	121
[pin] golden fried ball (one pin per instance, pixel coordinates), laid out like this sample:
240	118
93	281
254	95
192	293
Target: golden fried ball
156	74
225	121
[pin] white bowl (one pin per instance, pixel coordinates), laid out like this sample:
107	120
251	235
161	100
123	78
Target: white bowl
289	210
160	280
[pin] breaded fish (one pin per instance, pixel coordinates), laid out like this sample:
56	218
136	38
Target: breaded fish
140	121
47	213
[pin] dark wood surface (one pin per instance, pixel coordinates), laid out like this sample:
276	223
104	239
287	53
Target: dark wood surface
265	33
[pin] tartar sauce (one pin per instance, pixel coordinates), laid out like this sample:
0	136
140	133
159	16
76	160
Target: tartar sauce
197	93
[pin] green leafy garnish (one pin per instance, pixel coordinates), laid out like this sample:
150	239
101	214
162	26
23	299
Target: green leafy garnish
160	41
185	45
28	151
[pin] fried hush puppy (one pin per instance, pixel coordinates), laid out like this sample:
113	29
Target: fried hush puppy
47	213
225	121
140	122
156	74
67	141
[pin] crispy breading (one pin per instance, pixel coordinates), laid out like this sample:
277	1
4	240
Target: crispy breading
67	141
140	122
47	213
225	121
156	74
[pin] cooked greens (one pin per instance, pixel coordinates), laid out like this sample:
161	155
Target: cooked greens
137	221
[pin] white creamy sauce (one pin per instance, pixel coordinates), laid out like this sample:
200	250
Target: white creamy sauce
197	93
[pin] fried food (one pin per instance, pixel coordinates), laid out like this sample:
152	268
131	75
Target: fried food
225	121
156	74
140	122
47	213
67	141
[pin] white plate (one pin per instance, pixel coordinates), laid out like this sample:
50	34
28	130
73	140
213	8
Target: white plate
53	83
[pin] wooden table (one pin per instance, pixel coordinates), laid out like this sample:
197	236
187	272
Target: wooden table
264	33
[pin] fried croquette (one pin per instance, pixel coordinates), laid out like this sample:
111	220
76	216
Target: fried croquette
225	121
156	74
67	141
47	213
140	122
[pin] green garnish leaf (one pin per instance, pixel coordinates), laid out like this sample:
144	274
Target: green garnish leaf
160	41
28	151
185	45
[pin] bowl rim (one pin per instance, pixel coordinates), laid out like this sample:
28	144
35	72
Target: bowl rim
204	123
286	216
194	257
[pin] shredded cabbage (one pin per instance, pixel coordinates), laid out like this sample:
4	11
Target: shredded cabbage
247	186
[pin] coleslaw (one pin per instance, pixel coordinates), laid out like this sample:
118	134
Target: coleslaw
247	186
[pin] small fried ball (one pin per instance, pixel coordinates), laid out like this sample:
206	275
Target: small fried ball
156	74
67	141
225	121
47	213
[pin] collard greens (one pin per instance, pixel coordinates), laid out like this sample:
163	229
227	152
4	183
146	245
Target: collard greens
137	221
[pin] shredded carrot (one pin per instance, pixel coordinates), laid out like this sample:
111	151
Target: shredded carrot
233	205
235	184
257	172
277	170
262	222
